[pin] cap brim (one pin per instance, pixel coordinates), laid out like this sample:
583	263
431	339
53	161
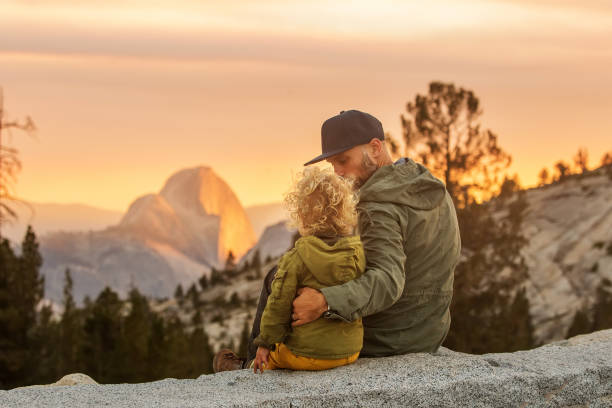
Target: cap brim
326	155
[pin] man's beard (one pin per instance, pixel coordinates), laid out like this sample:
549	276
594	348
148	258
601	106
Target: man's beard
368	167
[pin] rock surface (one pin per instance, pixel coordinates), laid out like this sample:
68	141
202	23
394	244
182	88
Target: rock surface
574	372
569	228
69	379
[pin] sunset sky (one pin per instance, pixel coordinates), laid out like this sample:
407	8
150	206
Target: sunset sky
125	93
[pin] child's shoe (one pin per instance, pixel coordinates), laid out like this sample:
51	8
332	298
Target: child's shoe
227	360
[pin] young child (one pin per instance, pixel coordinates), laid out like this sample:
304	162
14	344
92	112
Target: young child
322	207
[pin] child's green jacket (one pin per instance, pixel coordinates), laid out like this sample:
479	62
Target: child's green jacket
315	264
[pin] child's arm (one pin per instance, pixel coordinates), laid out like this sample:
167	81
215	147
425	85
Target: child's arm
276	318
261	359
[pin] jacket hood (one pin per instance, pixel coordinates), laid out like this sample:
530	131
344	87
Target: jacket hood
330	264
408	183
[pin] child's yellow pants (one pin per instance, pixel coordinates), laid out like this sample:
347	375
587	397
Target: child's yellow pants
282	357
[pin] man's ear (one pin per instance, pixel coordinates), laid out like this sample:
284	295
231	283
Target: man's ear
376	147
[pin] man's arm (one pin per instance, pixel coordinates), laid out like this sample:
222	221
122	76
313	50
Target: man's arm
383	282
378	288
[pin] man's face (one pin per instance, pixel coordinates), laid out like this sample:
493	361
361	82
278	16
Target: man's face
354	164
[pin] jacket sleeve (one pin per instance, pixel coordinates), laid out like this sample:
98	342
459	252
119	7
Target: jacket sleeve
383	282
276	319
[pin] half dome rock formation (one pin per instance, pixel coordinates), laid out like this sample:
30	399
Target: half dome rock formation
164	239
197	213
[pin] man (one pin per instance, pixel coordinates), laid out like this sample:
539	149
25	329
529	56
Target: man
410	235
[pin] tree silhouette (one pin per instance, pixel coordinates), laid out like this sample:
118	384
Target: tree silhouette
581	160
200	351
490	313
10	165
244	340
136	338
21	289
442	129
70	330
543	177
606	159
230	262
102	338
256	264
580	325
606	162
562	169
179	295
599	317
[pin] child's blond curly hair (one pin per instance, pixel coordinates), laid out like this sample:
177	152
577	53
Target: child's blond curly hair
322	203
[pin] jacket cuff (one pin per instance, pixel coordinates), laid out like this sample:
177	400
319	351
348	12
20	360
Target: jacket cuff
338	303
260	342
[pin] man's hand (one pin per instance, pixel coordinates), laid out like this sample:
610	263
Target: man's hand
261	359
308	306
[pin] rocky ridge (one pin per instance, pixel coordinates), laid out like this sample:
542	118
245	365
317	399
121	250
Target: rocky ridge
569	230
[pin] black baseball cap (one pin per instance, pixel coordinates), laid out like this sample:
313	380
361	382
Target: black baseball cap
346	130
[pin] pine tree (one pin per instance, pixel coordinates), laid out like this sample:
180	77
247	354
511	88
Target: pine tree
203	281
602	315
519	333
29	284
45	345
562	169
157	357
230	262
177	350
200	350
136	337
581	160
489	313
543	177
21	289
70	331
10	164
234	300
606	159
244	340
11	355
194	296
256	264
581	324
442	129
178	294
102	338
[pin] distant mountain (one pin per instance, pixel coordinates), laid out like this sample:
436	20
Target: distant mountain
275	241
109	258
164	239
264	215
48	217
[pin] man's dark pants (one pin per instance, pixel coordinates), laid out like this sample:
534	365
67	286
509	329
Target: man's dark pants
263	300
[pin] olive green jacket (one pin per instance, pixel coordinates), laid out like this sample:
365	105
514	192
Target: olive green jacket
410	235
315	264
